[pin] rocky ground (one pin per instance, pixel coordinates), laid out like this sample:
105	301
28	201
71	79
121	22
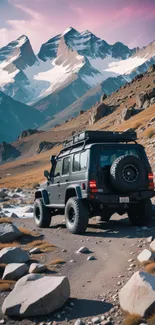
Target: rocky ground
96	274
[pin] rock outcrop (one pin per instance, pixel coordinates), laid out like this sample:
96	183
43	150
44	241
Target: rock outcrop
44	146
8	152
98	112
27	133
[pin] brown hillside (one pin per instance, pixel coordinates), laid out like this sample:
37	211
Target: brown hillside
28	170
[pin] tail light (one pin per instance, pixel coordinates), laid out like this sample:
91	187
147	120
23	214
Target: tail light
151	182
93	186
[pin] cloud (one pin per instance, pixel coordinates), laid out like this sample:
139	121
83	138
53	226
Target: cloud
35	28
124	20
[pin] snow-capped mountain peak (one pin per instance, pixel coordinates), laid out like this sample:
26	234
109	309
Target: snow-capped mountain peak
69	30
67	65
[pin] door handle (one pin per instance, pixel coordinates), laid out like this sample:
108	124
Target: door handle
66	180
58	183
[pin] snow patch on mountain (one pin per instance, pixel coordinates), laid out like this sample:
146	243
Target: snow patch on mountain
67	30
126	66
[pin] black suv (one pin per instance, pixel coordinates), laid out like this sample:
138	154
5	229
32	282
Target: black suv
97	173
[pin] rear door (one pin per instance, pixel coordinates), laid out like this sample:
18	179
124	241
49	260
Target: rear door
103	156
65	178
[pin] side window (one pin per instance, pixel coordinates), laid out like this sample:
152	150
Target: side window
80	161
66	164
76	162
58	168
83	160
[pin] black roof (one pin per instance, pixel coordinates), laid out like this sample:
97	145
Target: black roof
88	137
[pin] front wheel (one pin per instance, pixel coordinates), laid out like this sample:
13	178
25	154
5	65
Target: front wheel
77	216
42	215
141	214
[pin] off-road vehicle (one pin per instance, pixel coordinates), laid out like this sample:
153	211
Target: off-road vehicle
97	173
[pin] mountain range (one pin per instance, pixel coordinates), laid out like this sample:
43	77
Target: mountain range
70	73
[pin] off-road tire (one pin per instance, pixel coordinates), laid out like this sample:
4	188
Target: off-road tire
76	215
124	166
141	214
42	215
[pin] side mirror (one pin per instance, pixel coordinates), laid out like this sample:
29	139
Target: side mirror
46	174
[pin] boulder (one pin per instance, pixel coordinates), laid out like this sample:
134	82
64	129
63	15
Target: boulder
141	98
98	112
15	271
9	232
150	239
13	255
14	215
27	133
6	205
15	196
152	246
37	268
2	194
127	114
35	250
151	68
145	257
151	93
44	146
152	101
35	295
7	152
152	120
28	210
103	97
83	250
138	294
18	190
146	104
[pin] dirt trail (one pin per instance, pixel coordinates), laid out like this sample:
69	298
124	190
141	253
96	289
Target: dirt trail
111	244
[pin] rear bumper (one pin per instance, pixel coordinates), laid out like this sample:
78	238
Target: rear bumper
115	198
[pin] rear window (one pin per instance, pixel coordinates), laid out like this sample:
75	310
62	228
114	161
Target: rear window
108	155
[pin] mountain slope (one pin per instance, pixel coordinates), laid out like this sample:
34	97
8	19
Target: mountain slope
15	117
29	168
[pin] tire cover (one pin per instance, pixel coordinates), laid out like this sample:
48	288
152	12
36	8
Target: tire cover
127	173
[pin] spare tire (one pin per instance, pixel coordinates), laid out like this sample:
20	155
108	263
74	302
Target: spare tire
127	173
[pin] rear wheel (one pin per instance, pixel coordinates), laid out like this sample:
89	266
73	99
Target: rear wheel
77	216
42	215
141	214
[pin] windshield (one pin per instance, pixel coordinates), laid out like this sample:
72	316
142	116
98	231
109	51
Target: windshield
108	155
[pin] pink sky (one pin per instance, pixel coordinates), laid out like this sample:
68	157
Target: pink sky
129	21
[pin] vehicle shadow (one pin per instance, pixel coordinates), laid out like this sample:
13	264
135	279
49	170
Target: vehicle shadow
113	229
118	229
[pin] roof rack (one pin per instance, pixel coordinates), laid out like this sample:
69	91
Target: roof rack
87	137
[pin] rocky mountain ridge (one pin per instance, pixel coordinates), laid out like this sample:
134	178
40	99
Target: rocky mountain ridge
70	63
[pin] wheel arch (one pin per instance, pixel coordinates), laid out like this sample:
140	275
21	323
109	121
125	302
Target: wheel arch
73	191
42	194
